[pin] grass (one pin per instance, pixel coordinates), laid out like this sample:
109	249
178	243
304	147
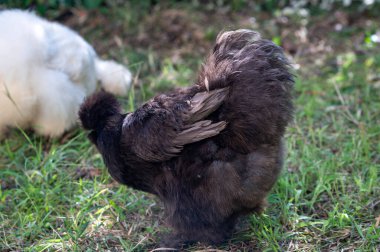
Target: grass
55	194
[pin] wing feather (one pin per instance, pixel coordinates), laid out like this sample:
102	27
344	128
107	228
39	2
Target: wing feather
161	139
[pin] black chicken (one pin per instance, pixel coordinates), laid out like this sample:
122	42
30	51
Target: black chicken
211	152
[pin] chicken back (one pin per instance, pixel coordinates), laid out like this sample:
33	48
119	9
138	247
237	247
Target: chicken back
211	152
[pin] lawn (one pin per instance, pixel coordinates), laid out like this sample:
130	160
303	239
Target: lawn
56	194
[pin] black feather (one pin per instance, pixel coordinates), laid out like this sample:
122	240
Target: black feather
211	152
97	109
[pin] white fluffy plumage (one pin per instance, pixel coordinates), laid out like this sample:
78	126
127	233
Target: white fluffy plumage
46	71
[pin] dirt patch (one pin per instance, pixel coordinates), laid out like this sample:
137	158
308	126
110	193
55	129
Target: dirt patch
177	33
172	32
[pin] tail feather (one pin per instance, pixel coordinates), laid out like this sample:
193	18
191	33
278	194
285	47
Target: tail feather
240	52
259	105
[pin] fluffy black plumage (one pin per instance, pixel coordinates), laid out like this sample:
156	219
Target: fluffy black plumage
210	152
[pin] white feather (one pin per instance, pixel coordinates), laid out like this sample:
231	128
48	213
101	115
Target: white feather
46	70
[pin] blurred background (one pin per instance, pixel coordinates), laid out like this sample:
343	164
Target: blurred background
155	36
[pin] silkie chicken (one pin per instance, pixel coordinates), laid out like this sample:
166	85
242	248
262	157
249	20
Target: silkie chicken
211	152
46	71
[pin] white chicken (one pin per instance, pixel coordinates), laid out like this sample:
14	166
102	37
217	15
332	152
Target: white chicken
46	71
